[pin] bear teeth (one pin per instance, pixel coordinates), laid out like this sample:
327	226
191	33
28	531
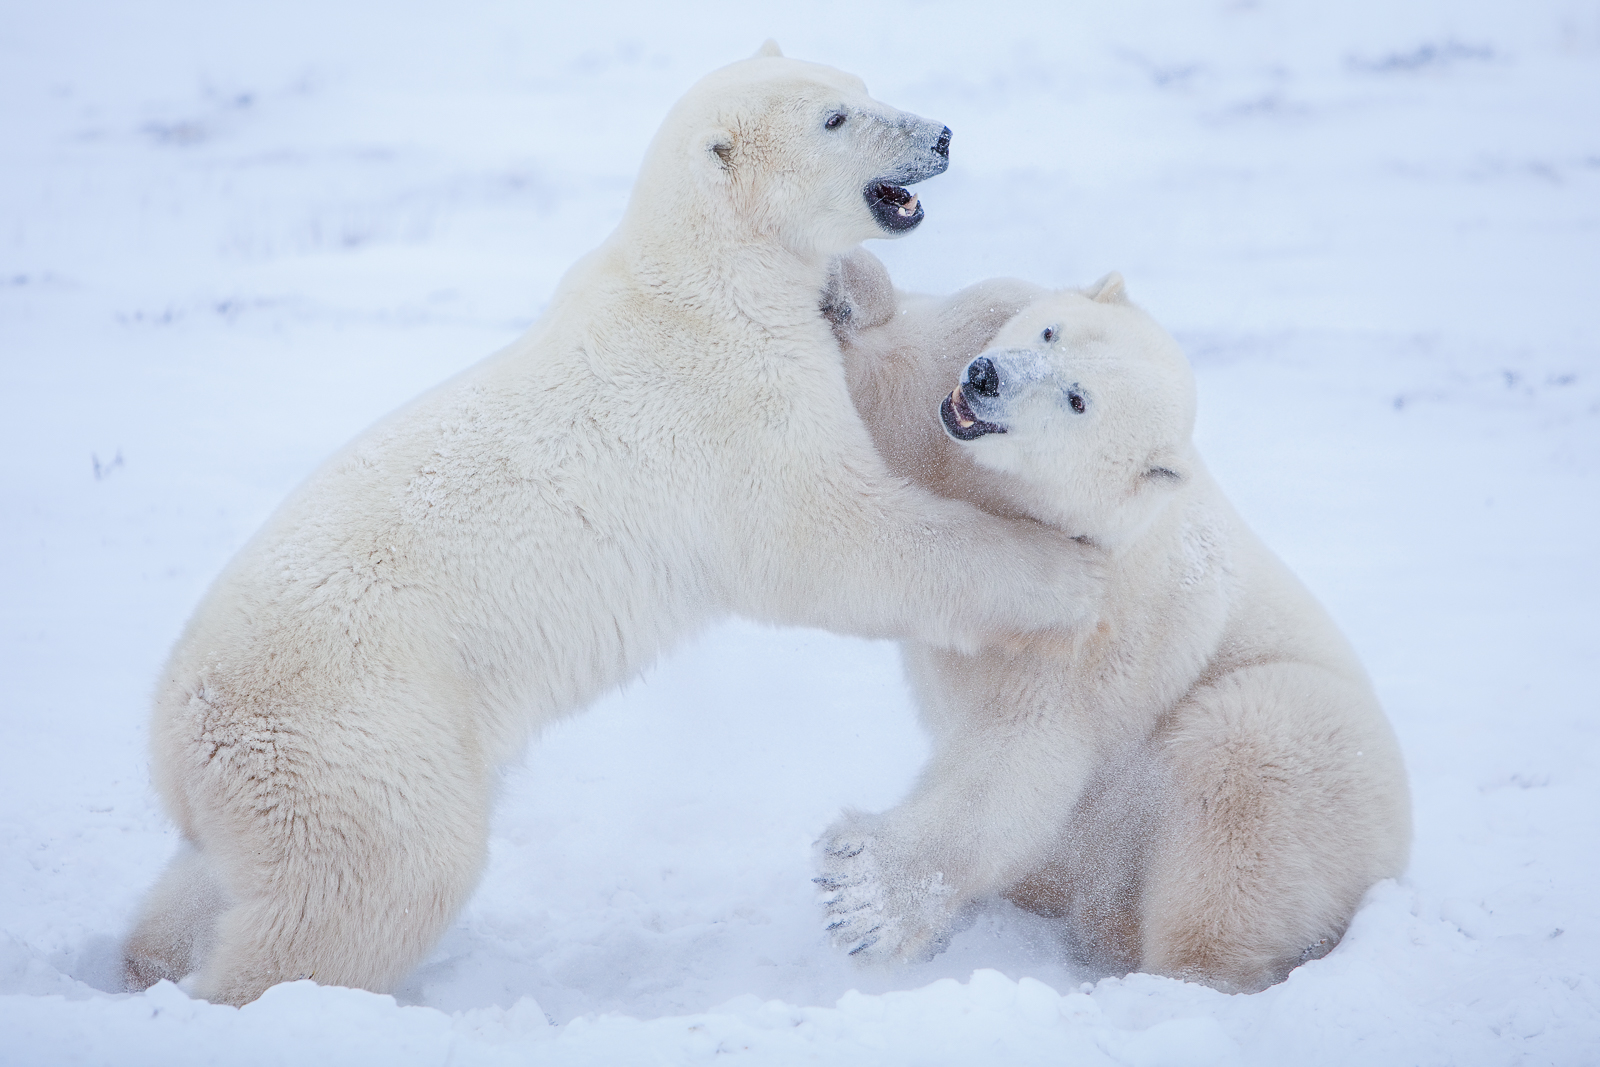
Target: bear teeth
909	207
958	402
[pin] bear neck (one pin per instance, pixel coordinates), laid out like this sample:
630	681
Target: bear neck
1160	533
722	270
1127	530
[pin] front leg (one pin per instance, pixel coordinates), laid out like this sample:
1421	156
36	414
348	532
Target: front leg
877	906
826	534
888	559
985	812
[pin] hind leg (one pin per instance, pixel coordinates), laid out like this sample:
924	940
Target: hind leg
1092	881
1287	802
364	924
354	898
344	851
178	924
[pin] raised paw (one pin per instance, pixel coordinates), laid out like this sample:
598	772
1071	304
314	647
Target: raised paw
874	909
859	294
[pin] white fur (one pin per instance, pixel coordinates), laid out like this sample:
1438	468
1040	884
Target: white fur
672	441
1203	785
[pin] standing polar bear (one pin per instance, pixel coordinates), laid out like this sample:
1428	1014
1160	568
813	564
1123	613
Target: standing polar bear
672	441
1203	785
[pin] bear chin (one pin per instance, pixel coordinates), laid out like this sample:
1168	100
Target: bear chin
959	421
895	207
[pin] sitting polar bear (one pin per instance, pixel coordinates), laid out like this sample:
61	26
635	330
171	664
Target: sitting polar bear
672	441
1203	786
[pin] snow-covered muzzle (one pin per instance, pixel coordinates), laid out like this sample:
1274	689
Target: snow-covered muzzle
896	208
1004	385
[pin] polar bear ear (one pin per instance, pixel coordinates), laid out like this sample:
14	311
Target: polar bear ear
716	147
769	49
1109	290
1167	474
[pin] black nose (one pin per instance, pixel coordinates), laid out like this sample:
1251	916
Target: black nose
983	378
942	146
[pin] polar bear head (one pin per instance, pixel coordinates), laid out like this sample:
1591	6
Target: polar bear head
1084	407
785	151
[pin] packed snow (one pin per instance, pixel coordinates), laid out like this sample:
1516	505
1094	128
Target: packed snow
232	235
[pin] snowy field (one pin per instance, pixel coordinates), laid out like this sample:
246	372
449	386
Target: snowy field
233	235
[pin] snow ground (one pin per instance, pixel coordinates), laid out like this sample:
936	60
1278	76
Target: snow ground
232	235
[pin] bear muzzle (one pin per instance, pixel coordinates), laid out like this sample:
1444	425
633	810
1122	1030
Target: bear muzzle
960	421
896	208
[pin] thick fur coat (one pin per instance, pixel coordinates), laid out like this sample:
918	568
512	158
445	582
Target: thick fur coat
1203	784
672	441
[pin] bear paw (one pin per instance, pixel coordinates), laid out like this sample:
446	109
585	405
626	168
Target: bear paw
874	911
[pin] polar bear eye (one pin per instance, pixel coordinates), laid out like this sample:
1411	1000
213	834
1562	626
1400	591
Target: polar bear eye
835	120
1075	398
1048	335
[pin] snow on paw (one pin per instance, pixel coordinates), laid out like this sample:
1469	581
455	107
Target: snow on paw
875	910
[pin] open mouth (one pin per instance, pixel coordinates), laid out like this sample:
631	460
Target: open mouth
896	208
960	422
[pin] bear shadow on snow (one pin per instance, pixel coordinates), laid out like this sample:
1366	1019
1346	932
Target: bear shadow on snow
1202	785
